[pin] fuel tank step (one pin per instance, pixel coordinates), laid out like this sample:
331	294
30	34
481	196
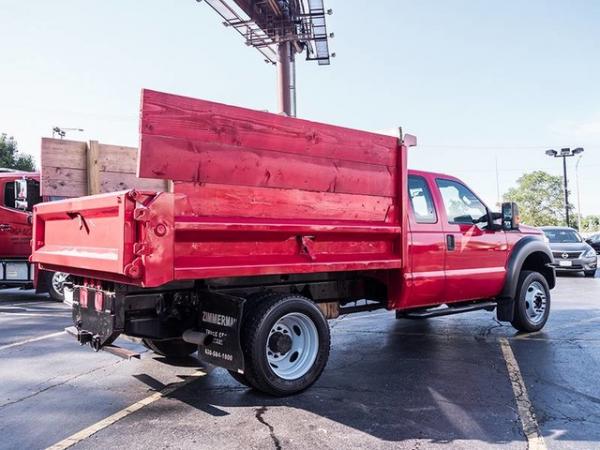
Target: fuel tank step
444	311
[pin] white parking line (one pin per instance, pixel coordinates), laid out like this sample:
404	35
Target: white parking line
535	441
93	429
32	314
27	341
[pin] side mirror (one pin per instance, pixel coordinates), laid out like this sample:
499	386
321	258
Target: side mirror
510	216
21	194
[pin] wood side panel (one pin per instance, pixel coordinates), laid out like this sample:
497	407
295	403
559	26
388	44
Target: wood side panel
93	170
63	153
65	186
242	201
64	168
117	167
119	181
195	161
117	158
202	121
74	169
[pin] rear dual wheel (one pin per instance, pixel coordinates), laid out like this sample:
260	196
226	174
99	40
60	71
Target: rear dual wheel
285	341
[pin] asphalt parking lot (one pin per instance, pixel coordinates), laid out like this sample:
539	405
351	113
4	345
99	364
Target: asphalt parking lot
389	384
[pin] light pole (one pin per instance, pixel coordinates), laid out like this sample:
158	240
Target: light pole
578	193
565	153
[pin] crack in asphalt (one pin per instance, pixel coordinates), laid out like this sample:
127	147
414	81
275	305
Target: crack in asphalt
489	329
260	417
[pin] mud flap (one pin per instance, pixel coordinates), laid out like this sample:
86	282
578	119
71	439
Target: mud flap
505	311
221	320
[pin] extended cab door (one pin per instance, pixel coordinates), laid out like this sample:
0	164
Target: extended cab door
426	248
15	226
475	256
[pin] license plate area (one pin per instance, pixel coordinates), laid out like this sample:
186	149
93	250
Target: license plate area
565	263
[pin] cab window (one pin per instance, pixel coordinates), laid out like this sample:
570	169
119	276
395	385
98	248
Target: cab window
421	200
9	194
462	206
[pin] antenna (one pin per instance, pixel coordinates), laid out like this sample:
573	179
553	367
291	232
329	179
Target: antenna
280	29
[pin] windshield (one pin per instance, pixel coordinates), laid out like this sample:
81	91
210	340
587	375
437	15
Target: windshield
562	236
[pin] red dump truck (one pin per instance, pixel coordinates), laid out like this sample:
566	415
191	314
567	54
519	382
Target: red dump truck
20	191
273	226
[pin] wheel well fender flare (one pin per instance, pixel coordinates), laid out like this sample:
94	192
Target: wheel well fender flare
529	253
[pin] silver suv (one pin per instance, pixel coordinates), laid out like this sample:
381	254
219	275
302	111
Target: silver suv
571	253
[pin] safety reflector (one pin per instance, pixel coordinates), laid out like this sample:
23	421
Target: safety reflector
99	301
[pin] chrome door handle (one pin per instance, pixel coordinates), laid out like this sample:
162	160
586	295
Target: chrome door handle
5	227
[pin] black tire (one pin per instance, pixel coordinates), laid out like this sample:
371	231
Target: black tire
590	273
172	348
55	288
251	301
259	319
529	283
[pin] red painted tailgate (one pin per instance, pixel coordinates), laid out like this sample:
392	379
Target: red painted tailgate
94	233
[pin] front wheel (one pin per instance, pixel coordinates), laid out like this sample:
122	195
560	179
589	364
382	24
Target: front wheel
285	340
532	305
56	286
590	273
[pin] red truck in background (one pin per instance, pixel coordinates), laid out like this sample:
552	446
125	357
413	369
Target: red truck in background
19	191
273	226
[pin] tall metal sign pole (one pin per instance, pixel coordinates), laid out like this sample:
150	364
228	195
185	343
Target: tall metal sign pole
284	78
280	30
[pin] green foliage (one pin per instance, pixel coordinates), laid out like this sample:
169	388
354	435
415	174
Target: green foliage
540	197
10	158
590	224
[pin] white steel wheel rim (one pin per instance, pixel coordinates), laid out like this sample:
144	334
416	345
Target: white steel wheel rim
535	302
292	346
58	281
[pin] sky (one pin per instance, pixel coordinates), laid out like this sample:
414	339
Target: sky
486	86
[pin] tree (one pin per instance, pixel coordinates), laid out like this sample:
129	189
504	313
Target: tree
540	197
10	158
590	224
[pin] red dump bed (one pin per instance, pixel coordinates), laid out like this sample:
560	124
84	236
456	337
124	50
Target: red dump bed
254	193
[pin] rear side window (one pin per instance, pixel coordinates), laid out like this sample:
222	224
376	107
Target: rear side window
420	200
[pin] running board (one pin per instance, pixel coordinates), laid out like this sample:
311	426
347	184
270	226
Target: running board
113	349
447	311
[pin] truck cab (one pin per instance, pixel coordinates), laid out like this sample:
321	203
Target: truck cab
19	192
458	248
15	227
